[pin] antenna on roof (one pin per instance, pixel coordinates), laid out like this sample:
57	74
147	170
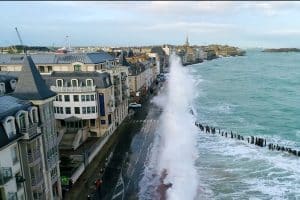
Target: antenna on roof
20	39
68	42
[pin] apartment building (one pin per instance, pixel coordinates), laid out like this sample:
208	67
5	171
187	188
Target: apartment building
11	175
83	107
72	76
28	124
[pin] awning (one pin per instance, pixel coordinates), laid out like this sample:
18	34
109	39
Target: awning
72	119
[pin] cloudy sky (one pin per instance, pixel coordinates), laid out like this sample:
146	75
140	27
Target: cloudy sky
244	24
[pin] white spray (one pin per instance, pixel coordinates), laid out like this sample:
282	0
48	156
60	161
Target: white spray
178	135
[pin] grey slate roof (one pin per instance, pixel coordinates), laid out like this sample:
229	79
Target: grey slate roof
31	85
6	78
9	106
51	58
136	68
101	80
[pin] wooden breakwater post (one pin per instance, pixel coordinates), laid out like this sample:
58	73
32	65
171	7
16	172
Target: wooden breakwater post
261	142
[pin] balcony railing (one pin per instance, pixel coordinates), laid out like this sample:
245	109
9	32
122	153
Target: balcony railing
12	196
31	130
53	160
37	181
34	156
73	89
5	175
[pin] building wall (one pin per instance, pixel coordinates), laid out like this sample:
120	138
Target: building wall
49	147
13	166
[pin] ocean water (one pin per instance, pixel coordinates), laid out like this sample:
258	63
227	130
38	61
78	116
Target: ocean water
257	94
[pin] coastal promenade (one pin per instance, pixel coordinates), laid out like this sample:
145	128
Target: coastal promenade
107	165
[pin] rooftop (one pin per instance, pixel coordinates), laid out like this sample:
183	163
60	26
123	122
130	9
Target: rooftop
31	85
52	58
101	80
9	104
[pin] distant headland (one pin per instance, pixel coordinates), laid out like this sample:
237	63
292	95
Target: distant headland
282	50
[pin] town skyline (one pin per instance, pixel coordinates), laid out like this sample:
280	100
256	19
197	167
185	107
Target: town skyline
243	24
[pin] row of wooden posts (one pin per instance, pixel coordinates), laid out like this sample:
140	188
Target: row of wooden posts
261	142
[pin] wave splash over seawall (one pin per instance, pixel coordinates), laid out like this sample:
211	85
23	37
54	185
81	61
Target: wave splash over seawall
174	149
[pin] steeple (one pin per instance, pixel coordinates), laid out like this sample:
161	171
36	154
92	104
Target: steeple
187	40
31	85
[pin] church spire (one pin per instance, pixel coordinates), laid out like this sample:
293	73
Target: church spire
187	40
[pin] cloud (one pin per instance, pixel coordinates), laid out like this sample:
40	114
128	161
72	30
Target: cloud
199	27
285	32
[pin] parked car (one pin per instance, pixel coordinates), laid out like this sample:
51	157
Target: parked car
135	105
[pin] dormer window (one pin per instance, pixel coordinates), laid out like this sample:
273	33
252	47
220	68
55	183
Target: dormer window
89	82
13	83
77	68
33	115
41	69
59	83
2	88
22	120
9	126
74	82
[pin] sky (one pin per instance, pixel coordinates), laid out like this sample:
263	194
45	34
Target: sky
243	24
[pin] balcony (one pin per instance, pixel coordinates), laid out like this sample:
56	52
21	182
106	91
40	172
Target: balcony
117	92
116	81
34	156
31	131
37	182
5	175
52	161
12	196
73	89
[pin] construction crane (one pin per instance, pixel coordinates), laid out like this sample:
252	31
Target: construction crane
20	39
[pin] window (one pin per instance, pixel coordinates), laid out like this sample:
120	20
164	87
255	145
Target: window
59	97
76	98
103	121
50	68
42	69
83	110
89	82
107	80
109	119
82	97
92	97
67	98
61	110
77	68
93	122
9	126
88	110
59	83
14	154
74	82
33	113
77	110
2	88
93	109
68	110
21	119
13	84
87	97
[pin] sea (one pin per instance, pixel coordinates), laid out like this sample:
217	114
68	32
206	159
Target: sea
253	95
